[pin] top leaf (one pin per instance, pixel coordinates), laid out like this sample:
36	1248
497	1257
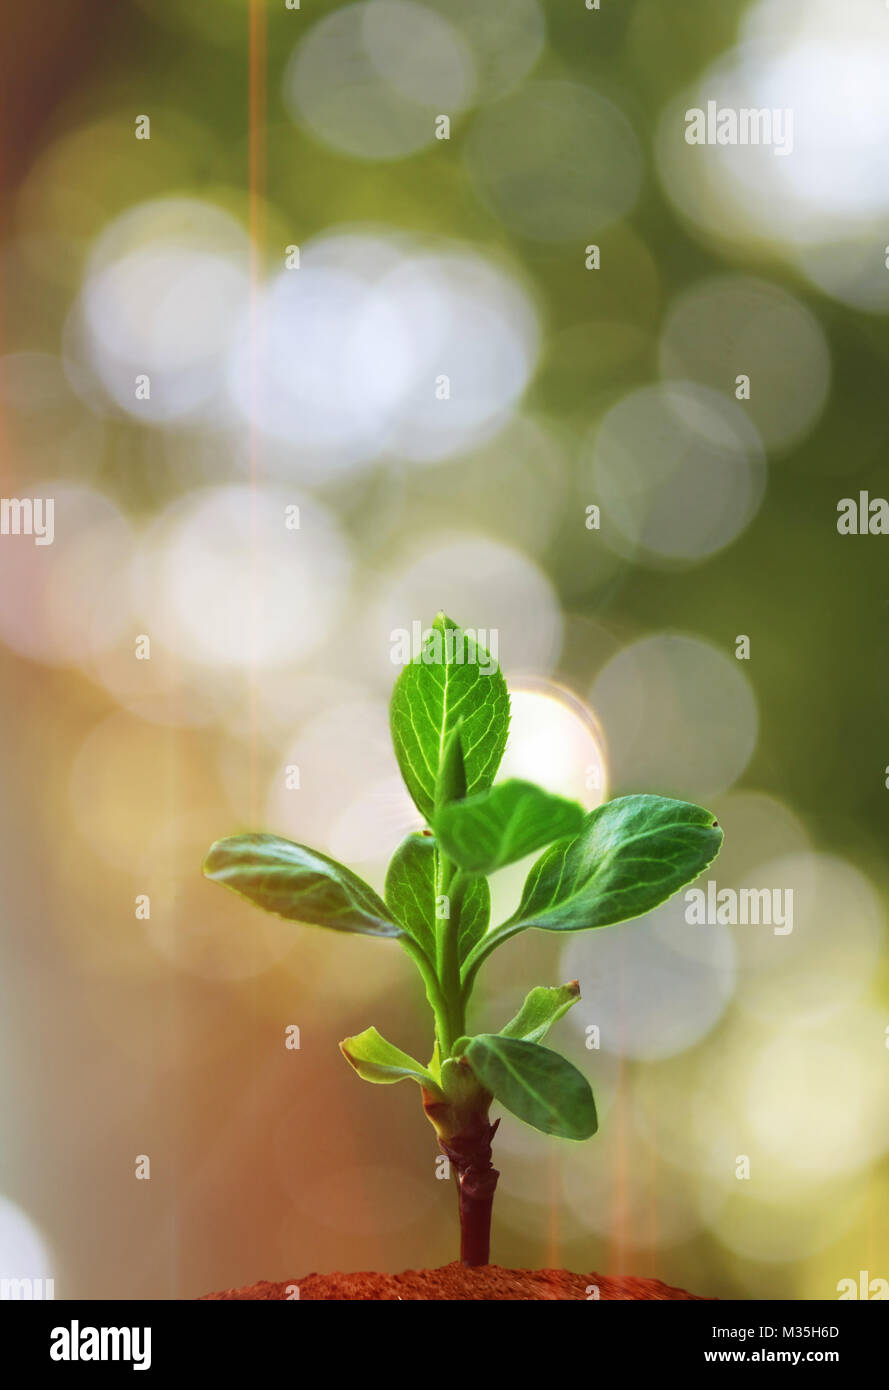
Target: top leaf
452	680
299	883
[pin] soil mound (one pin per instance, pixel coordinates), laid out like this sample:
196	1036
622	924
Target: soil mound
456	1282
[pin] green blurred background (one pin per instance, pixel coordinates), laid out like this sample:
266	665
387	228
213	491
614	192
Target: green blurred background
323	387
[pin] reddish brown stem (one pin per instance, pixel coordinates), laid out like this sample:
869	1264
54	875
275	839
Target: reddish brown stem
469	1153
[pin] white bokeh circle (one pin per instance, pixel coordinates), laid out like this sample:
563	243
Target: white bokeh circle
678	472
555	161
679	715
656	985
378	346
58	603
823	202
226	583
483	585
733	325
833	951
164	295
24	1253
370	78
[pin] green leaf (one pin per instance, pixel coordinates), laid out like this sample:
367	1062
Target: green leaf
452	680
632	854
499	826
543	1007
540	1087
411	896
410	888
475	916
379	1061
450	784
299	883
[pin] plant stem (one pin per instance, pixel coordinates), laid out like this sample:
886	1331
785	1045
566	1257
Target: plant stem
430	979
461	1118
469	1153
450	961
450	883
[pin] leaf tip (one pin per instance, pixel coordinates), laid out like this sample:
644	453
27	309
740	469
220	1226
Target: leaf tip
344	1049
208	867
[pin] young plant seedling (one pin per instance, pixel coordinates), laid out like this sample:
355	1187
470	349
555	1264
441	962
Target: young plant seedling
449	719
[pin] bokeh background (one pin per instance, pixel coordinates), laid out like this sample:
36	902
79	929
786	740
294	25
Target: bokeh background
319	387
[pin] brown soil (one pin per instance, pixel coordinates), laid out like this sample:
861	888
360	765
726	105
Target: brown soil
454	1282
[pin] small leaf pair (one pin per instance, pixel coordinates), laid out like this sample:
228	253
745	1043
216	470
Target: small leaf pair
537	1085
